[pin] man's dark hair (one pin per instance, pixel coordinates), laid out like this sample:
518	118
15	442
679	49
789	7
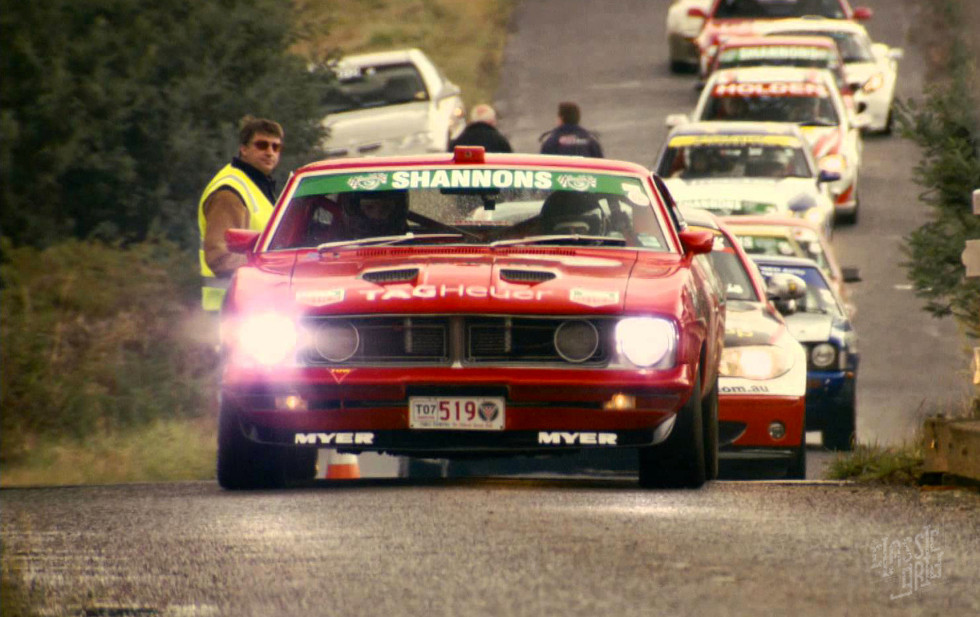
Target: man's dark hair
569	112
249	126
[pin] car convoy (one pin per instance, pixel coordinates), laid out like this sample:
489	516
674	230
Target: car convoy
465	305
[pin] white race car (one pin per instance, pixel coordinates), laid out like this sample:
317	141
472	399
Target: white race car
746	168
682	29
393	102
871	69
802	96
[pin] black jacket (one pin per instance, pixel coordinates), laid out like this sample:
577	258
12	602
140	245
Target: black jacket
571	140
482	134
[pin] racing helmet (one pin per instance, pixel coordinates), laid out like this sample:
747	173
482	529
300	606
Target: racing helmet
573	212
377	213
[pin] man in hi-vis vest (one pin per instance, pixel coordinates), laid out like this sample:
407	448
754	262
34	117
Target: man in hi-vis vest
241	195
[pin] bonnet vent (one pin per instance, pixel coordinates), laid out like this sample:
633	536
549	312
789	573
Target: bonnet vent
380	277
526	276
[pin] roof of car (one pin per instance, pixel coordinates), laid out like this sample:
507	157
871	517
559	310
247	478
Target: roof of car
585	164
769	221
811	23
393	56
721	127
771	74
801	40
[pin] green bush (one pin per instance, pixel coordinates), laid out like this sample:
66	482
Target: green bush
946	128
98	338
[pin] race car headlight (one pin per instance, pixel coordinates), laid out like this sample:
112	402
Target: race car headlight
336	341
823	355
268	338
755	362
877	81
833	163
646	341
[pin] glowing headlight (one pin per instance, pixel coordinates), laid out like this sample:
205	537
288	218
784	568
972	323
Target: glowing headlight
646	341
268	338
823	355
755	362
877	81
834	163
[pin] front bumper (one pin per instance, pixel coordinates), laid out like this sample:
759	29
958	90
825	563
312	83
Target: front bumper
829	394
366	409
744	420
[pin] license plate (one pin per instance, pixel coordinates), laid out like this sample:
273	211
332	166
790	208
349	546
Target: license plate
460	413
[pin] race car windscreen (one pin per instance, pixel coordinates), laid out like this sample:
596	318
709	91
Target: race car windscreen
778	9
730	268
852	46
819	297
770	244
360	87
700	157
805	104
777	55
471	207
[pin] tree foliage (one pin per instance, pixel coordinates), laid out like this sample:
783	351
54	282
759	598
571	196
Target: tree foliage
946	128
115	113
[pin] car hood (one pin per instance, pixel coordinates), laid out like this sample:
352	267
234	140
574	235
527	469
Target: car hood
560	282
749	323
725	195
365	127
810	327
857	73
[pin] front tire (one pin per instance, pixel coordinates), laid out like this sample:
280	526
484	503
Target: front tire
678	462
243	464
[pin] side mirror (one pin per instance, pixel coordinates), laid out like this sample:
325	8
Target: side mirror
863	13
828	176
698	12
862	107
697	242
850	274
241	241
674	120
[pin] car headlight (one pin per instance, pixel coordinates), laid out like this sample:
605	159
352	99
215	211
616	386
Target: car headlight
823	355
833	163
755	362
647	341
267	338
877	81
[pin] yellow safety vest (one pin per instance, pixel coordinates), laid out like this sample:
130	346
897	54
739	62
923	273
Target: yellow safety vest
260	211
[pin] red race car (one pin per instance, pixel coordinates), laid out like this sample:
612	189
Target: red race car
727	18
468	305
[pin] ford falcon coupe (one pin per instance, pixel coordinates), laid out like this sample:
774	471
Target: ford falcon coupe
467	305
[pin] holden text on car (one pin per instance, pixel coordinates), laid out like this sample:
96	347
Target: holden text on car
471	304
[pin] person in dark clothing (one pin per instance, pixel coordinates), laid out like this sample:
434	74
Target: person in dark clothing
568	137
482	131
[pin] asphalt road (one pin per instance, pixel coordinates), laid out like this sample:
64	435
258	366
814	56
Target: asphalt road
549	547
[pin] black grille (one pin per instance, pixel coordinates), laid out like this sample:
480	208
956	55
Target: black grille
401	275
442	340
526	276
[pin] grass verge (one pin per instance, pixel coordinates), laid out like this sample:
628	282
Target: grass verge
874	464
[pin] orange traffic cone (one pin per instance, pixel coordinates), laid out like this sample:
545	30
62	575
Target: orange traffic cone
332	465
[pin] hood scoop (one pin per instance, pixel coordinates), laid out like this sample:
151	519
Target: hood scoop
400	275
515	275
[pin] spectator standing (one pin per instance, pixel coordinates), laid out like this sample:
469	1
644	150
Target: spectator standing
568	137
482	131
240	196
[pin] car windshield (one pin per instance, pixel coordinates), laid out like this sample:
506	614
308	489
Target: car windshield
359	87
806	104
470	206
730	268
691	157
777	9
819	296
776	55
758	243
852	46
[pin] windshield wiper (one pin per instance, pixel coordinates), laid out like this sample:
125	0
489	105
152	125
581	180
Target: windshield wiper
562	239
385	240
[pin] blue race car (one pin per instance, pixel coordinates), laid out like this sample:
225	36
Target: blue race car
823	325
